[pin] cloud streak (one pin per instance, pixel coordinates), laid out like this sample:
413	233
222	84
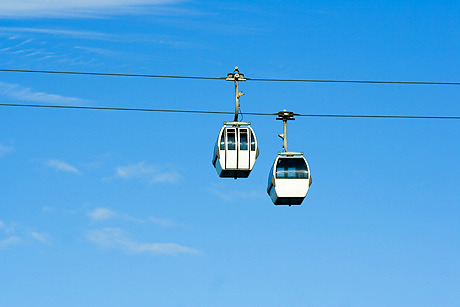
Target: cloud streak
62	166
18	92
236	195
152	174
57	32
74	8
5	150
24	236
103	214
10	241
161	222
21	32
135	171
116	238
41	237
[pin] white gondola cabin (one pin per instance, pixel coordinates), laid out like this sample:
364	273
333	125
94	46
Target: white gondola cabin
289	179
236	148
235	151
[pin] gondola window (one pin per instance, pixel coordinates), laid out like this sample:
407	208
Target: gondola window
292	168
243	140
231	141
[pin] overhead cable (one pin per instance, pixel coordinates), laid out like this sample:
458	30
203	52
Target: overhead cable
108	74
224	112
223	78
356	81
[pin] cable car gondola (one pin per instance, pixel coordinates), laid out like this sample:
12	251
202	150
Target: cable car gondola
236	148
235	151
289	178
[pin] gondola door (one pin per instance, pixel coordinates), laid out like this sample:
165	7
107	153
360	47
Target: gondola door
231	158
243	148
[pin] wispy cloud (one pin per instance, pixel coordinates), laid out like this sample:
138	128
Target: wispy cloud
101	51
5	150
151	173
14	33
74	8
93	35
8	230
18	92
135	170
41	237
166	177
27	41
161	222
46	209
104	214
236	195
12	235
62	166
117	238
12	240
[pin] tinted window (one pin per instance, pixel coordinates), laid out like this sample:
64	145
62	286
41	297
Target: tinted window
231	141
291	168
222	141
243	140
270	176
253	142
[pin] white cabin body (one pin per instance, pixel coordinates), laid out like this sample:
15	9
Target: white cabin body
289	179
235	151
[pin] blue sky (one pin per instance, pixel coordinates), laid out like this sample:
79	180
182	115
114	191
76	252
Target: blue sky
110	208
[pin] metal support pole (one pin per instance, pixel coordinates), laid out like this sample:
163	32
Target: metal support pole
237	101
236	76
285	136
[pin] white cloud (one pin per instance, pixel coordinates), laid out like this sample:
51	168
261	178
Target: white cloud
13	240
151	173
101	214
5	150
16	235
116	238
62	166
58	32
10	239
168	177
236	195
101	51
73	8
41	237
18	92
135	170
8	230
161	222
14	33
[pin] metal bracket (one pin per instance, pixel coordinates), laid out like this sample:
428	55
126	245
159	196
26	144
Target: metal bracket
237	124
283	115
290	153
